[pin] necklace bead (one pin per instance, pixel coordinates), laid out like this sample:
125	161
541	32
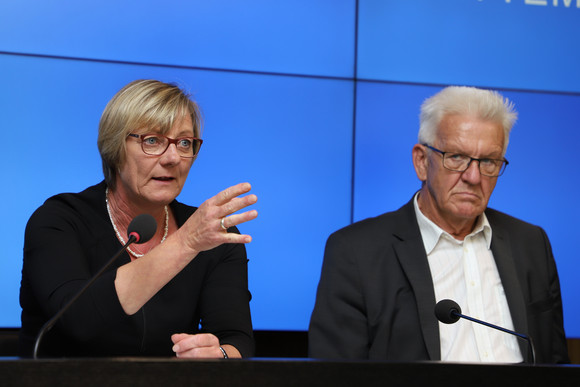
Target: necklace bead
120	237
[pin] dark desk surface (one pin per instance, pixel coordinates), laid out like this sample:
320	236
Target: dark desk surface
273	372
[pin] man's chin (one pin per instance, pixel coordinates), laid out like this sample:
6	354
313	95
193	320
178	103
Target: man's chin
468	209
469	213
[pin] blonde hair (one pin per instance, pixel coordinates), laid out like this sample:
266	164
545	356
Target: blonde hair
487	105
142	103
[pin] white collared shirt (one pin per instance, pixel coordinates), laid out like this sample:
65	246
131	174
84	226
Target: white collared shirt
465	271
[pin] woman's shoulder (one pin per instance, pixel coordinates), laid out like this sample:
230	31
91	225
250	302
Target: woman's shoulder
90	194
63	205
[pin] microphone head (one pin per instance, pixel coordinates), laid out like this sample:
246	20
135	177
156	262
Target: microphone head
142	227
445	311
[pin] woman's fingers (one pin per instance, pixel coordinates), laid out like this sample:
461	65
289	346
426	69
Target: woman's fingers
236	204
228	202
203	345
236	219
231	204
207	227
231	192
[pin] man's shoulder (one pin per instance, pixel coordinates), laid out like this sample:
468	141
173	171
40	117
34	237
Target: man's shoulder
384	224
501	219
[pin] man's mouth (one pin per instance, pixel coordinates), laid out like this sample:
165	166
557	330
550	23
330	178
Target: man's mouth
164	178
468	194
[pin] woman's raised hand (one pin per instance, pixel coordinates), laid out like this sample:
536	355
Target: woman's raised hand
207	227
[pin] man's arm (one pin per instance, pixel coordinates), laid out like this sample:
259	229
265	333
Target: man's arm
338	327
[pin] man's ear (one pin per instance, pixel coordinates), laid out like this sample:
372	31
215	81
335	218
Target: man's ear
420	161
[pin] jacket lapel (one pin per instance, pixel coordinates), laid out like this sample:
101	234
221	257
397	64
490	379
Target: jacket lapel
413	260
503	256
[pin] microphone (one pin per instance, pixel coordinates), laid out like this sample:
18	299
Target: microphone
140	230
449	312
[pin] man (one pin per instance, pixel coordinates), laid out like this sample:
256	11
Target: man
382	277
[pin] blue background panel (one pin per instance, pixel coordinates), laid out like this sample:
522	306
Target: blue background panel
298	37
489	43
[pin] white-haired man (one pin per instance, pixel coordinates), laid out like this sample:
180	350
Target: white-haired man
381	277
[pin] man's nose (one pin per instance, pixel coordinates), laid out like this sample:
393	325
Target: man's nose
472	173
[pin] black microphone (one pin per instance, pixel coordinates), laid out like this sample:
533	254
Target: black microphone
448	312
140	230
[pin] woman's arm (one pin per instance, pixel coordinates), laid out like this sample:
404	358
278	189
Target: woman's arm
138	281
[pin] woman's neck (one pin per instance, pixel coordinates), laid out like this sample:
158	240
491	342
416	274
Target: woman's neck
122	212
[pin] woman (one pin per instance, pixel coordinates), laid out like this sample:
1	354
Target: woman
182	293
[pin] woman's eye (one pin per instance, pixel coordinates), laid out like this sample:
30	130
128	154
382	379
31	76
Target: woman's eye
185	143
151	140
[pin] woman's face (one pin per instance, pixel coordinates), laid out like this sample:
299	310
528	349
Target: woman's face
146	180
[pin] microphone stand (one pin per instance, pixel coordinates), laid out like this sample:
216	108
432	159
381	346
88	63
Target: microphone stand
50	323
520	335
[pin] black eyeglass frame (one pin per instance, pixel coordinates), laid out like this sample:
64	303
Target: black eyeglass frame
502	167
170	141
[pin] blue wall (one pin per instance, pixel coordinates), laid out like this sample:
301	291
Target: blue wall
313	102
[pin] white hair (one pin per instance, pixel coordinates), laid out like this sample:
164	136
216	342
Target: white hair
486	105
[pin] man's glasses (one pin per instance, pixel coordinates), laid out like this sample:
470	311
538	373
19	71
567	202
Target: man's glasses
459	163
155	144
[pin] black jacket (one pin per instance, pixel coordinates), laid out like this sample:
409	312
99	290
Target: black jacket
375	298
70	237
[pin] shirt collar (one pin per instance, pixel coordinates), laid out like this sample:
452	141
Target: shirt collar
431	233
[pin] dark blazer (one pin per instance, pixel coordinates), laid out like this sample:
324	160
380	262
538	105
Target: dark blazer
375	299
70	237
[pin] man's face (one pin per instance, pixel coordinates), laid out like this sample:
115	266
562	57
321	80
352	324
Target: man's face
453	200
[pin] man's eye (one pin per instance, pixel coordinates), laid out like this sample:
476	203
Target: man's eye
456	157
